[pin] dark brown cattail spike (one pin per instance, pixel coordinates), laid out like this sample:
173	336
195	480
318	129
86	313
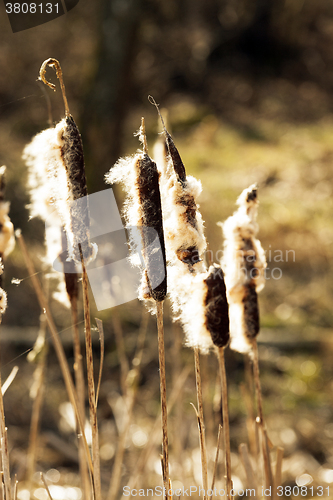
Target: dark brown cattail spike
152	225
251	311
216	307
55	64
173	151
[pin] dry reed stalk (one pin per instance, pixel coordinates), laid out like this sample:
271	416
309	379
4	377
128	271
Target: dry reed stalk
260	418
164	411
216	461
39	355
225	422
4	451
57	344
153	436
91	383
278	472
46	486
201	422
80	390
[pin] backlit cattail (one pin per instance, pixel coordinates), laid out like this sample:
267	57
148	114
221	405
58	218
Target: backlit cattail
183	224
143	212
244	265
59	152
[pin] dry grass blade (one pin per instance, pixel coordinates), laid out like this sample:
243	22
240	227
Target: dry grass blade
100	328
219	435
57	344
91	383
201	423
15	488
46	486
9	379
124	367
245	459
4	451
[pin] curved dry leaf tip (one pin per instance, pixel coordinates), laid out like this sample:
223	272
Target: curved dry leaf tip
143	137
154	103
54	63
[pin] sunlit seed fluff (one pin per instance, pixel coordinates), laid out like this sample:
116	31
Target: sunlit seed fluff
183	224
3	295
56	175
244	265
143	213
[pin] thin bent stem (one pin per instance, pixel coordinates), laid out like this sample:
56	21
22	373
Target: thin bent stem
203	448
260	418
225	422
91	383
57	344
161	358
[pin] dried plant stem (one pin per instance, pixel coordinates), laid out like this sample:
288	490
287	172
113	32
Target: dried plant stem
225	422
57	344
146	452
46	486
164	412
245	459
131	391
124	367
278	471
216	461
80	390
36	409
91	383
260	418
4	451
201	422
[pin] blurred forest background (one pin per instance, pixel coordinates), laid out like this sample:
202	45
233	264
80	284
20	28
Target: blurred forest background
248	91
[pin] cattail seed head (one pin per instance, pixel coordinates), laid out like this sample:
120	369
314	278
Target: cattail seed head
244	265
143	214
216	307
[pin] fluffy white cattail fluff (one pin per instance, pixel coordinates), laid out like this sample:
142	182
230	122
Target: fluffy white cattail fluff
7	239
3	295
199	302
50	182
244	265
198	296
143	213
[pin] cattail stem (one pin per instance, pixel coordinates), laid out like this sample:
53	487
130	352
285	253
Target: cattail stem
203	448
225	422
80	389
91	383
161	358
57	344
260	418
